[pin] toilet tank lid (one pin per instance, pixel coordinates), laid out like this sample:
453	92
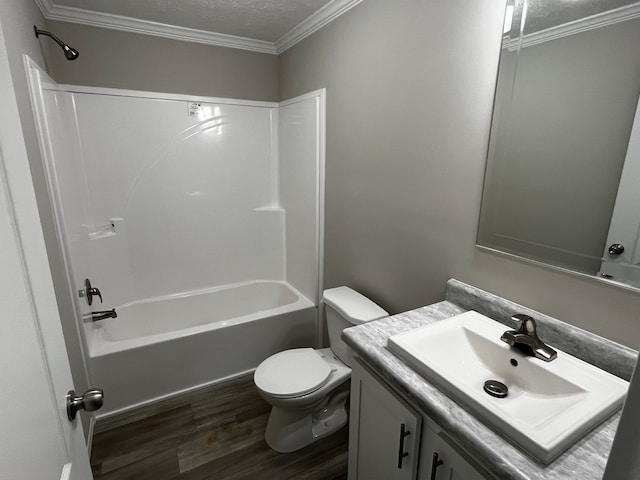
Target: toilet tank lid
352	305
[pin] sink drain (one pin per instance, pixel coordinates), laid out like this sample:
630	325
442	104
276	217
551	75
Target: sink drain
496	388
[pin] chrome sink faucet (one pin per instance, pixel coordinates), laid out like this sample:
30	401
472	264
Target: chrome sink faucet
525	339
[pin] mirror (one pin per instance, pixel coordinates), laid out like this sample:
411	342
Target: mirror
562	184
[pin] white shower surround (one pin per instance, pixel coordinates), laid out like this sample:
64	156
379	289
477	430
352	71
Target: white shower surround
199	197
231	198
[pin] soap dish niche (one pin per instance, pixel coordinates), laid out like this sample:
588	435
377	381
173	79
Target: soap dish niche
105	230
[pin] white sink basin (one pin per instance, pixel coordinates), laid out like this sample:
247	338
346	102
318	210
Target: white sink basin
549	405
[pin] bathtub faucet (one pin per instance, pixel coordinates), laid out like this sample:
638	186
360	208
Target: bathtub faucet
100	315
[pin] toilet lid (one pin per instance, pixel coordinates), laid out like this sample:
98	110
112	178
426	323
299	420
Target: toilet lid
292	373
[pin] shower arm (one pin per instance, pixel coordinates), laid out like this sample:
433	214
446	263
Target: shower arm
70	53
48	34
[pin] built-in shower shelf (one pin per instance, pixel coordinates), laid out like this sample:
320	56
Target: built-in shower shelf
269	209
105	230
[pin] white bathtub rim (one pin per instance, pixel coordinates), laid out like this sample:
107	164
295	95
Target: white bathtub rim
98	346
204	291
160	398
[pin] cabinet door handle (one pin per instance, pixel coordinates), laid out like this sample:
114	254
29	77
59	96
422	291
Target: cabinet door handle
435	463
401	452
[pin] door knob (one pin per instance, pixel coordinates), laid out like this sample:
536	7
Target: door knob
91	400
616	249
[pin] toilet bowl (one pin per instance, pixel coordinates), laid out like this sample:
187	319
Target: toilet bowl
308	388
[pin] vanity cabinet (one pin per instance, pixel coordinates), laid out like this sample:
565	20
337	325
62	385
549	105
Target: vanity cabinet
390	440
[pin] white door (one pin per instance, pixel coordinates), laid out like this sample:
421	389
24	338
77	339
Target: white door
624	231
37	440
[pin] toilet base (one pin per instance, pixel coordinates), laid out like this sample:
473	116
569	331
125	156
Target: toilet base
289	430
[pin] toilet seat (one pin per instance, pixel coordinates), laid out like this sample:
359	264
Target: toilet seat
292	373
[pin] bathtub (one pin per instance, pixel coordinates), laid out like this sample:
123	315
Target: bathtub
162	346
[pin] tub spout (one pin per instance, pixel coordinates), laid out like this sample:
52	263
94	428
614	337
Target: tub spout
100	315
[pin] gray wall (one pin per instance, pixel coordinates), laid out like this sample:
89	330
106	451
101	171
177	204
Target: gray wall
18	18
115	59
561	143
409	89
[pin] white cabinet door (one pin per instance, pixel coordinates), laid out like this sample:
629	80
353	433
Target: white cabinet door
440	461
384	433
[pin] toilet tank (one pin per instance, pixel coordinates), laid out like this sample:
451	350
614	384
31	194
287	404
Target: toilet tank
346	308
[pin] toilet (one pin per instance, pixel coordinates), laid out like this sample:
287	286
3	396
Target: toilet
308	388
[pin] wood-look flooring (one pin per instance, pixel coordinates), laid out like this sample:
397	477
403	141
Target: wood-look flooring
214	433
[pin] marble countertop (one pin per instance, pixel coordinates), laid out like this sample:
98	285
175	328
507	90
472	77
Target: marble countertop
585	460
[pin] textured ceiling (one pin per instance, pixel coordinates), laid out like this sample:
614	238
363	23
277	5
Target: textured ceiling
266	20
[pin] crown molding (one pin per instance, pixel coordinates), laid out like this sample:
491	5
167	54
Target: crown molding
314	22
52	11
319	19
611	17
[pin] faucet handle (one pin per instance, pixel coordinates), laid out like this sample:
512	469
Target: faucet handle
89	292
525	324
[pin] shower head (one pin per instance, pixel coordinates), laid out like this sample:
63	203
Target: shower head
70	53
